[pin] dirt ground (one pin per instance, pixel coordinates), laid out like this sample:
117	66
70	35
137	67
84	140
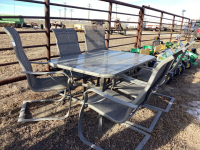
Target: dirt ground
177	129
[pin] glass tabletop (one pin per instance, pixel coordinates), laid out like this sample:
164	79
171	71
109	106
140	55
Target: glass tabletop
104	63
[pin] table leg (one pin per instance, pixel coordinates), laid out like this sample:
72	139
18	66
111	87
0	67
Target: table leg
102	84
108	80
98	81
113	82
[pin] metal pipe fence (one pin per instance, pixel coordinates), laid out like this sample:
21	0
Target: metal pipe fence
138	37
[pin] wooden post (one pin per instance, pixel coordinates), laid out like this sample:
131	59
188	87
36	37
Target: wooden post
108	25
187	29
138	28
141	27
47	28
160	23
172	28
181	26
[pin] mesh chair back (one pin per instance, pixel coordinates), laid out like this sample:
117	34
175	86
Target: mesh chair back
20	54
156	77
178	62
94	38
67	41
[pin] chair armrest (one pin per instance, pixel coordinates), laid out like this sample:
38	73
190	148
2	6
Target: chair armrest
147	68
112	98
33	62
41	73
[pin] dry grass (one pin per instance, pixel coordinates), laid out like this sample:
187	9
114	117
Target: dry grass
174	130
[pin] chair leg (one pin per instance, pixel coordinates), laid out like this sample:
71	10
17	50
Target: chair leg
144	140
84	81
80	132
100	123
157	108
23	108
152	125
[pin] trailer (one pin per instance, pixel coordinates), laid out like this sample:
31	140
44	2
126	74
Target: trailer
17	22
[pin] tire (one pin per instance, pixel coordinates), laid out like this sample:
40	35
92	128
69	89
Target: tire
41	26
23	25
182	69
169	79
194	50
176	71
188	65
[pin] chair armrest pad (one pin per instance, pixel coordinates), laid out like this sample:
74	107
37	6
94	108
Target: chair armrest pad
41	73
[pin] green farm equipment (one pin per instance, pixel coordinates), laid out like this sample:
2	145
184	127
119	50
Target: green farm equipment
190	57
16	22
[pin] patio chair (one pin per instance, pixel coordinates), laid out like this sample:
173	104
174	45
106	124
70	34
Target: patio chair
39	84
94	38
67	44
118	108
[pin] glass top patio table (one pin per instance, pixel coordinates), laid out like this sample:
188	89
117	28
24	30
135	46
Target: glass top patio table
104	63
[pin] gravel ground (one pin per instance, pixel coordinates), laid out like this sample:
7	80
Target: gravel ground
177	129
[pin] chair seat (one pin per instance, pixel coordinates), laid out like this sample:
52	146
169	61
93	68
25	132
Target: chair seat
145	77
48	84
129	88
109	108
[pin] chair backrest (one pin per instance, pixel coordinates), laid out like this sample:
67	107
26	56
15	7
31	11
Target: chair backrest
156	77
20	54
178	62
94	38
67	41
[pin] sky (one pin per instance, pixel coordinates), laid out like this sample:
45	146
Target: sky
174	6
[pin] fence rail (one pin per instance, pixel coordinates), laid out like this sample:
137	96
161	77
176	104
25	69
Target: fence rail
138	36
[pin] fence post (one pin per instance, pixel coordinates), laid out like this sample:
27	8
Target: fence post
141	27
187	29
47	28
181	25
108	25
172	28
138	28
160	23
